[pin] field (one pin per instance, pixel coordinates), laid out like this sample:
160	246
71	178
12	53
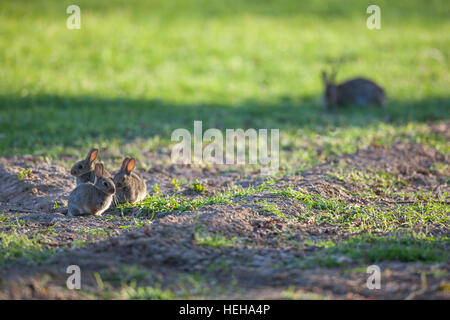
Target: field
356	187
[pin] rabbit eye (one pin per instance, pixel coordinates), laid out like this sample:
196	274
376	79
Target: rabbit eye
105	184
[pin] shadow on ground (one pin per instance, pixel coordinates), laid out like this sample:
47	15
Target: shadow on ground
44	121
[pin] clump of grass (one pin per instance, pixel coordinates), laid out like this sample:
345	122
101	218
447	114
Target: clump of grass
176	184
373	249
395	248
213	240
15	246
375	179
268	207
158	203
133	292
95	232
24	173
354	218
198	187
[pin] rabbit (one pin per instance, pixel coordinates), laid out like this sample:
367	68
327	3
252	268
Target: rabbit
92	199
130	187
358	91
84	171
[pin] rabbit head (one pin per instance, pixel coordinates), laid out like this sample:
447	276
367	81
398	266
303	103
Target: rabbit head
101	182
123	177
84	166
331	90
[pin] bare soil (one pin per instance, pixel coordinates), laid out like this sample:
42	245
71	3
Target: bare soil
258	266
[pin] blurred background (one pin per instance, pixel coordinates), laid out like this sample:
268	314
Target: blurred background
137	70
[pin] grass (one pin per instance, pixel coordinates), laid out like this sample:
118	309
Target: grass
134	72
374	249
170	64
367	249
213	240
198	187
147	293
139	283
268	207
16	246
23	173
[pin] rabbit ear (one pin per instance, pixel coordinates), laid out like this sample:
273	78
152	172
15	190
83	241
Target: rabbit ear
98	170
92	155
130	165
124	163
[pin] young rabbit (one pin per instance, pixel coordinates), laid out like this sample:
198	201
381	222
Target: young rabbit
87	198
84	171
130	187
359	91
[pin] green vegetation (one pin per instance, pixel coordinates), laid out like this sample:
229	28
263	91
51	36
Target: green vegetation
374	218
213	240
23	173
138	283
368	249
147	293
136	71
395	248
268	207
16	246
246	64
317	209
197	186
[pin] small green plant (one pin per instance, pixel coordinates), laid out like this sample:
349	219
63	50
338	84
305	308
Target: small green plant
156	188
268	207
198	187
176	184
146	293
56	205
16	245
24	173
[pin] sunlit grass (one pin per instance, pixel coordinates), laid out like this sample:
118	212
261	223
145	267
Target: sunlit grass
242	65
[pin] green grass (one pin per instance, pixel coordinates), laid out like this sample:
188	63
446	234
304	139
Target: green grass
367	249
17	246
246	64
213	240
372	218
267	207
198	187
396	248
147	293
139	283
23	173
424	211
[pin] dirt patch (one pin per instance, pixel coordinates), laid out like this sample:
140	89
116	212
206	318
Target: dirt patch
30	184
